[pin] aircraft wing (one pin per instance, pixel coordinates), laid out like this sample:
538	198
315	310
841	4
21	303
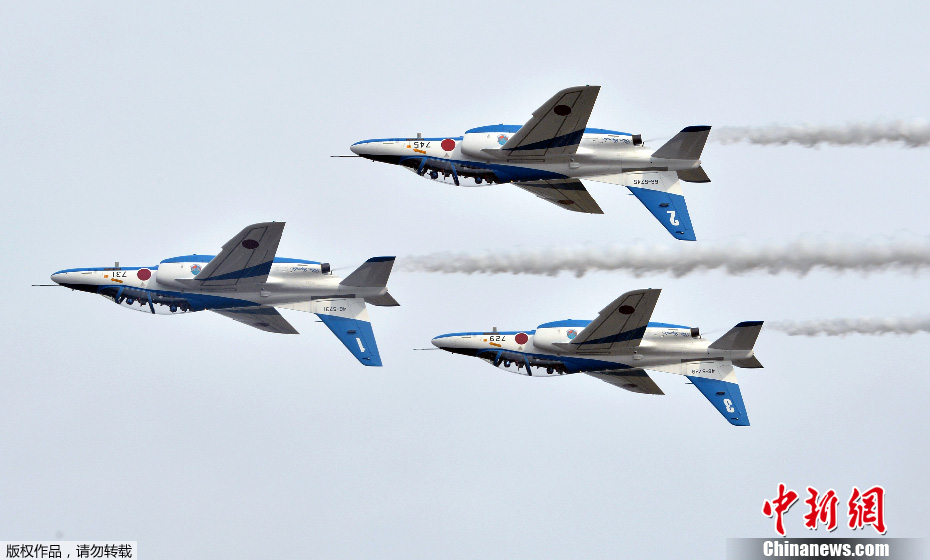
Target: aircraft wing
634	380
620	325
565	193
348	319
557	126
262	318
661	194
244	260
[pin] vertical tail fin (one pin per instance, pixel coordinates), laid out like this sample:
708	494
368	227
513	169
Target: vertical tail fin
741	337
374	273
687	144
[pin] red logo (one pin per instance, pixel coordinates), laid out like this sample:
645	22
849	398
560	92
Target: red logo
144	274
447	145
823	511
870	511
864	508
521	338
779	506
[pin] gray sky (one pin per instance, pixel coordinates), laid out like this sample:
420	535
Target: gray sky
136	132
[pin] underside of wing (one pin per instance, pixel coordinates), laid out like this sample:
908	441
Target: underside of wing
262	318
634	380
557	126
620	325
245	259
564	193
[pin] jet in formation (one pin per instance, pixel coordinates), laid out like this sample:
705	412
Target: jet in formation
550	153
246	282
618	346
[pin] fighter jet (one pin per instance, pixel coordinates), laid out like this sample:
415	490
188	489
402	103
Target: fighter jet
550	153
246	282
618	346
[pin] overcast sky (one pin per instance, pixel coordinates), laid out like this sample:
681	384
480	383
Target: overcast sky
135	132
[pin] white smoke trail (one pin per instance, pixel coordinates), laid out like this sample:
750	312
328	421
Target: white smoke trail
913	134
845	327
909	254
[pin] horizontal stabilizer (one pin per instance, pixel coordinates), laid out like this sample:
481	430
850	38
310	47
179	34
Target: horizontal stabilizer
373	274
384	300
633	380
696	175
725	397
687	144
564	193
750	362
741	337
262	318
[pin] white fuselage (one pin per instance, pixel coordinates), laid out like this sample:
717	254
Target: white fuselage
290	281
546	351
600	154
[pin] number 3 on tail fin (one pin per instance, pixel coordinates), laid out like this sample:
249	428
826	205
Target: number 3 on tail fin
671	218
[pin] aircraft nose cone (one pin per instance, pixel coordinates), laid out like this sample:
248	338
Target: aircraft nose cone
436	342
356	149
57	277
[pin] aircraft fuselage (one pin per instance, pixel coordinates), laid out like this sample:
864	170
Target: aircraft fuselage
545	351
600	154
289	281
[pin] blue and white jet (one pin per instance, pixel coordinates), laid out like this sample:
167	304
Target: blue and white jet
246	282
550	153
618	346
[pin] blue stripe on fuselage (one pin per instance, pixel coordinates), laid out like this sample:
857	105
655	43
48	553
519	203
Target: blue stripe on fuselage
440	139
581	323
480	333
572	364
106	269
504	173
198	302
511	128
208	258
569	139
250	272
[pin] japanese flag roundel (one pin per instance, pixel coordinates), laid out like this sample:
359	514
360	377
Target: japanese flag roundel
447	145
521	338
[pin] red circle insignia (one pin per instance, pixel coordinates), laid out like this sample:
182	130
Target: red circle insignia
521	338
144	274
447	145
